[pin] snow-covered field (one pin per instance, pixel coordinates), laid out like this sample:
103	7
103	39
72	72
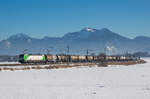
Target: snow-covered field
9	63
116	82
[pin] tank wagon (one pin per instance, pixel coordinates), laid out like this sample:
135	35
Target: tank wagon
74	58
52	58
44	59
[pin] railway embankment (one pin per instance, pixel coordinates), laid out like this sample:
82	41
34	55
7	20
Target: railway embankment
13	67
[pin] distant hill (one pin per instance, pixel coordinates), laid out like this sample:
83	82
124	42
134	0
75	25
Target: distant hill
87	38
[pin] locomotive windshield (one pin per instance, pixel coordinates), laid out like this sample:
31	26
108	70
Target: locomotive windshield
21	58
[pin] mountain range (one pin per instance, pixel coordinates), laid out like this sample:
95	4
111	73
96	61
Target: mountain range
93	40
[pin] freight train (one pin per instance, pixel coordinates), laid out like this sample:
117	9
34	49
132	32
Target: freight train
45	59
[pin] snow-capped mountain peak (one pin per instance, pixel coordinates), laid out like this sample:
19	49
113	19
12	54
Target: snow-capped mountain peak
88	29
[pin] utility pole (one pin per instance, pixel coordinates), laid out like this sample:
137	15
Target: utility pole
68	49
105	50
87	52
24	51
48	50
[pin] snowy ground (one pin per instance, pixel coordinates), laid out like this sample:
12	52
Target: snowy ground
117	82
9	63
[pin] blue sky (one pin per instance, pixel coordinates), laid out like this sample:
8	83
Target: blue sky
39	18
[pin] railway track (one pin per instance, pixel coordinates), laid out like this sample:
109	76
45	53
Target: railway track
54	64
81	64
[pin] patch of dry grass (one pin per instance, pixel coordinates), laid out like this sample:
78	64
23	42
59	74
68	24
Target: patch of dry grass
57	66
127	62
